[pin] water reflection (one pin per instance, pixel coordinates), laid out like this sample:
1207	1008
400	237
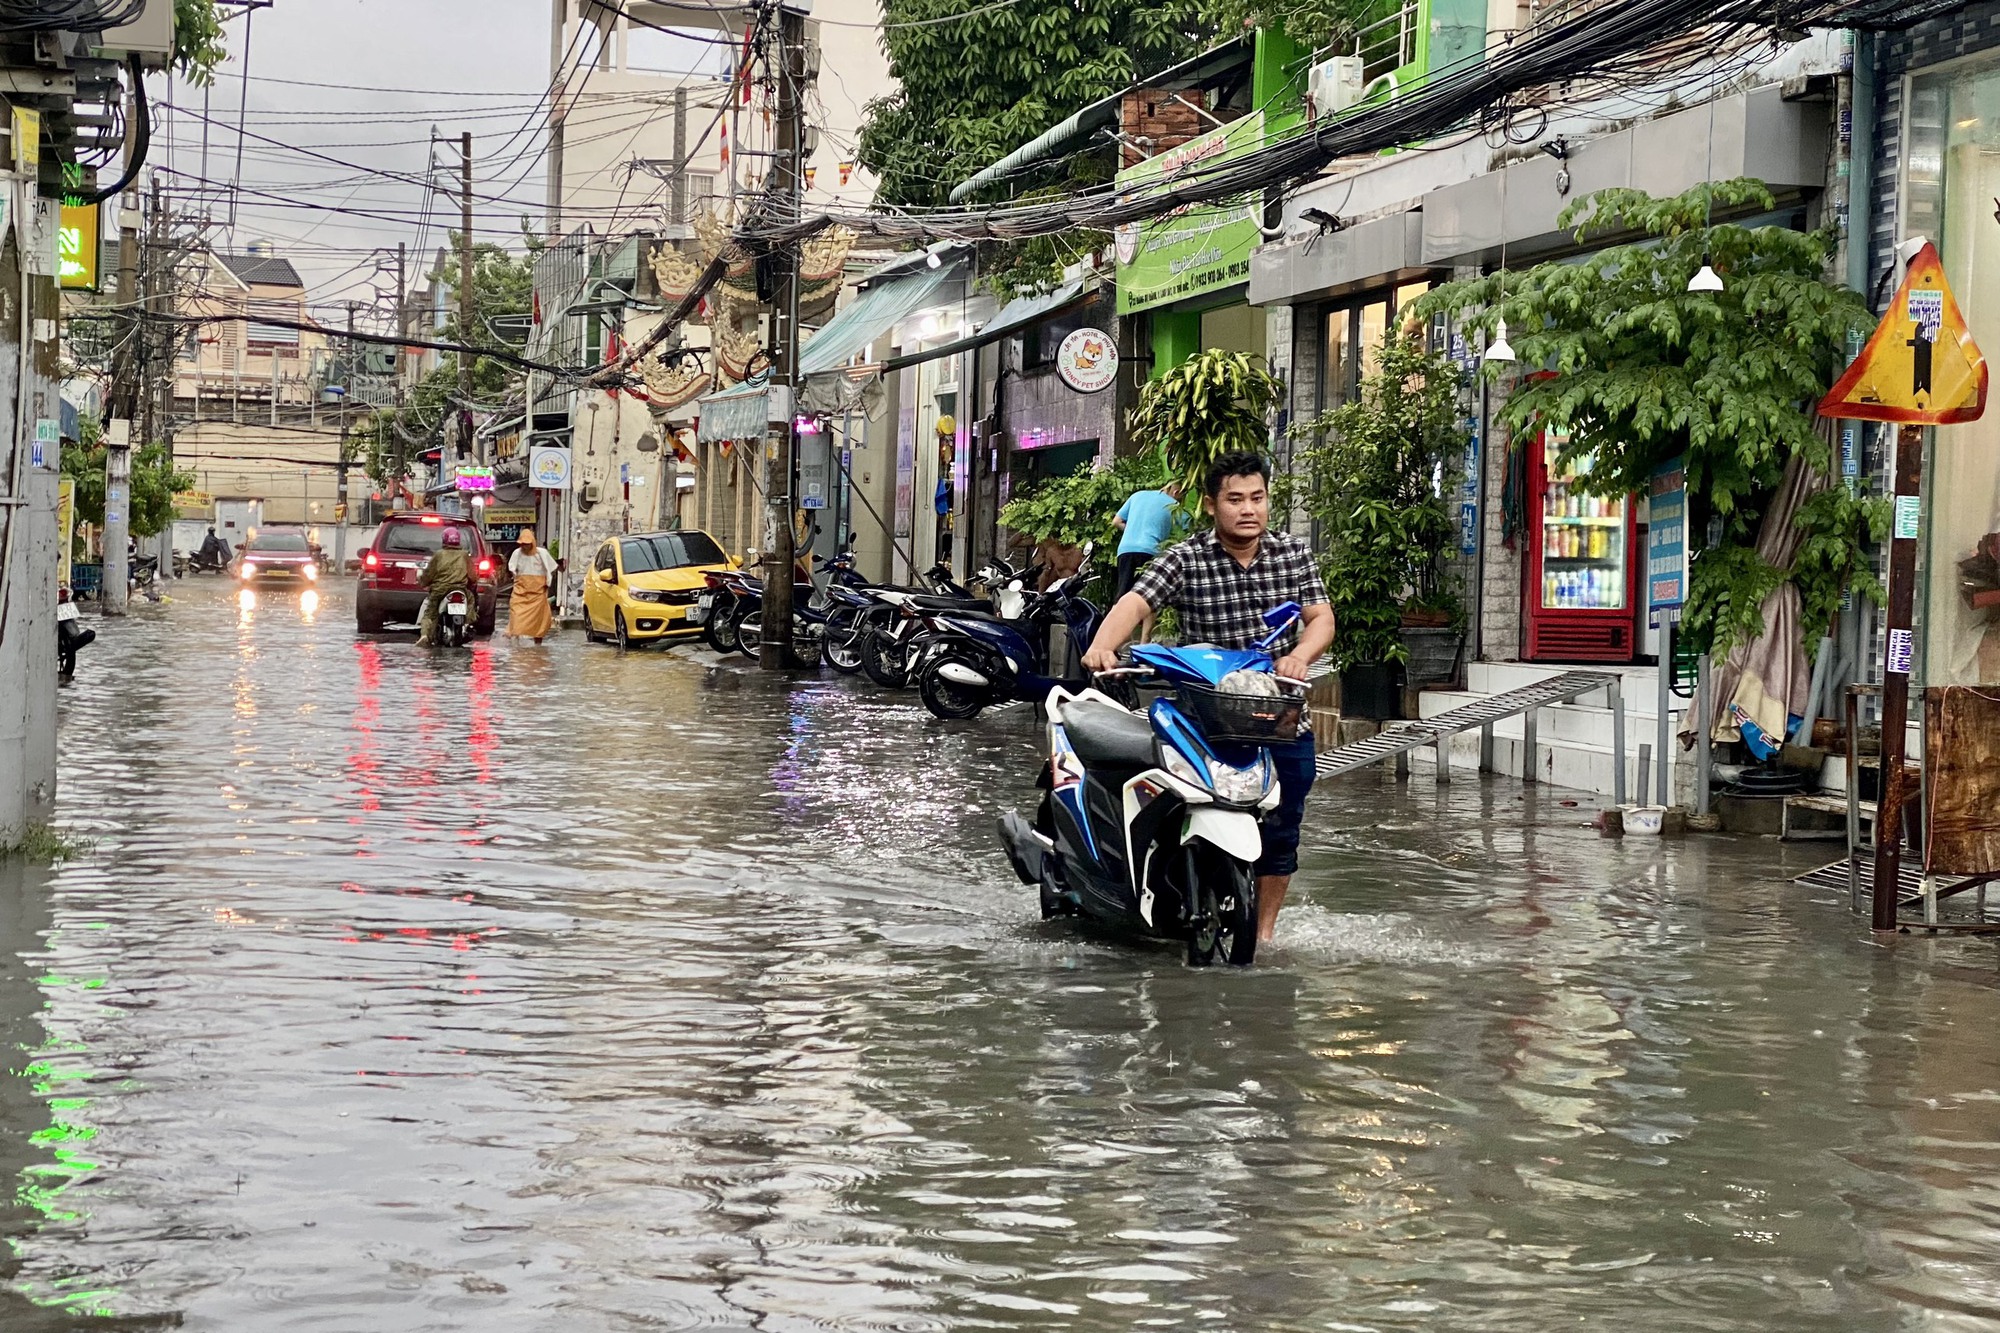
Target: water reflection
554	987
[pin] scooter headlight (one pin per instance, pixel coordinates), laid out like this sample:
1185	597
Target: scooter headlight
1184	768
1244	786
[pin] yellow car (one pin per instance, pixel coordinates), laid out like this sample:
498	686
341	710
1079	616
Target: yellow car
641	586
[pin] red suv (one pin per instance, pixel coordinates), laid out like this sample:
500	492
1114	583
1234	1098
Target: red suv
403	545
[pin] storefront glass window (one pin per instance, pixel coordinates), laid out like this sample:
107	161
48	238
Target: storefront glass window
1338	369
1954	177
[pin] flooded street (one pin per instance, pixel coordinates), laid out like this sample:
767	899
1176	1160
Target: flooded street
554	989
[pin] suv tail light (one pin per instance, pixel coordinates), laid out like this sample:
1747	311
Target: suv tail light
485	565
370	560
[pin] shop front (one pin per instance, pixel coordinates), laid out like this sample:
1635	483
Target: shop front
1953	177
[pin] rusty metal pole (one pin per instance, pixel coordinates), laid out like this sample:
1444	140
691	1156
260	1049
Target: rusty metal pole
1896	661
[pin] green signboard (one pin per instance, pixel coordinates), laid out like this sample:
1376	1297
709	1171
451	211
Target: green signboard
1197	251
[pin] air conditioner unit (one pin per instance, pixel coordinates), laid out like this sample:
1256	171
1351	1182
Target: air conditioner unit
149	37
1333	85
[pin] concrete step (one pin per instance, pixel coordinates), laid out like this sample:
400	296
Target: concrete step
1574	743
1581	767
1638	682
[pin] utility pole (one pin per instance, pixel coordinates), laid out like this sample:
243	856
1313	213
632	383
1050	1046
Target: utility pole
465	301
789	161
340	465
112	593
402	367
680	181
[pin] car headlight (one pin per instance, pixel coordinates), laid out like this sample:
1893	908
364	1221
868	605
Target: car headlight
249	568
1183	768
311	572
647	595
1244	786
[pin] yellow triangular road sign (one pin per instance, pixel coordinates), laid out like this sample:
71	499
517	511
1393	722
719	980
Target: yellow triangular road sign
1921	367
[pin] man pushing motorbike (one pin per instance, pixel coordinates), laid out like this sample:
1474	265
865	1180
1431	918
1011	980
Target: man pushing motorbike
1221	582
444	573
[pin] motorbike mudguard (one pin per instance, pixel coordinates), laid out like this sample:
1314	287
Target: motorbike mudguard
1233	831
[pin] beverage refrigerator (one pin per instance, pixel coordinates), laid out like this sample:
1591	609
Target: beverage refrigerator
1582	580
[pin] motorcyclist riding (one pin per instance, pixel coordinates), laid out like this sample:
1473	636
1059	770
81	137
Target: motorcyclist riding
215	551
446	572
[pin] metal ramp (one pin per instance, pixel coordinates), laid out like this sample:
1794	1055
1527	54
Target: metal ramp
1398	739
1856	873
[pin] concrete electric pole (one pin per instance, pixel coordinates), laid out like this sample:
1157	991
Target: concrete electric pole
466	305
789	161
117	513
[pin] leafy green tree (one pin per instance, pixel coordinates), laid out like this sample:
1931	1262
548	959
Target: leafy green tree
1209	405
1646	371
198	45
1375	475
154	481
503	284
1079	508
1315	24
970	92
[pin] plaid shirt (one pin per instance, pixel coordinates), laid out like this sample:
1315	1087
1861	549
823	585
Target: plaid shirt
1221	602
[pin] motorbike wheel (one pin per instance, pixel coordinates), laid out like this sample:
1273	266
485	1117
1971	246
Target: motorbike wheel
713	629
843	644
948	699
750	634
748	614
883	661
1225	895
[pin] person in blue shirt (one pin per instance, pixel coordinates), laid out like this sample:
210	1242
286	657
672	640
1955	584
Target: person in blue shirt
1145	522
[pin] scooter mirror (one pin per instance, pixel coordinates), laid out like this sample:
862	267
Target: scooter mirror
1279	616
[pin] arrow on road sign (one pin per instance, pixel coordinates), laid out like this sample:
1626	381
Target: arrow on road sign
1921	367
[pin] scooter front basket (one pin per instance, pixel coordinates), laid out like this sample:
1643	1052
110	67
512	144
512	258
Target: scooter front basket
1242	719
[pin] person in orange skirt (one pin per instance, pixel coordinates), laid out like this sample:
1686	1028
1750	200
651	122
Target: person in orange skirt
528	613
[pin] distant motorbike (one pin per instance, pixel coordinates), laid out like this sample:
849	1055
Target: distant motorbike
1151	821
70	635
455	619
213	562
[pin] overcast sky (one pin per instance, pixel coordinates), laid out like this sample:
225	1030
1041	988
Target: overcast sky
394	70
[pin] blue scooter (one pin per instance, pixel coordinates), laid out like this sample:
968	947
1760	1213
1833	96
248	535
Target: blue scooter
1151	821
966	662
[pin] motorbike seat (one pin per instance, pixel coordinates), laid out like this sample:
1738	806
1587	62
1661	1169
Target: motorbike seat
1105	736
951	603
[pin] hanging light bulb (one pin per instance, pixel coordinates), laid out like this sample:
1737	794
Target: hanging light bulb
1706	279
1500	349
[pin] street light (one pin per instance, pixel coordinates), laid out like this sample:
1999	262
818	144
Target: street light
1706	279
1500	349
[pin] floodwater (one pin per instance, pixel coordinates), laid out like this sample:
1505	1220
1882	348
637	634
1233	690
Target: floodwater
549	989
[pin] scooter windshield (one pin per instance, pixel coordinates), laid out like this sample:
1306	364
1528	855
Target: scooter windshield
1200	663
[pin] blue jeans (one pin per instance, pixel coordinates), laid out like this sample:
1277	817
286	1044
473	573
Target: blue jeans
1294	761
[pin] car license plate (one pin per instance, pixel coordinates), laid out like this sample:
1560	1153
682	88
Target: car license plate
66	611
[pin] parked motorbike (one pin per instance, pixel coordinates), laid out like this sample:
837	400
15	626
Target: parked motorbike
964	663
70	635
716	609
141	576
1150	821
889	633
455	619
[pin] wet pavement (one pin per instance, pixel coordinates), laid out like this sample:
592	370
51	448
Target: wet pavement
553	989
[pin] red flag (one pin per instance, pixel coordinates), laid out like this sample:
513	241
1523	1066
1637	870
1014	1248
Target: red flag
725	143
846	170
538	307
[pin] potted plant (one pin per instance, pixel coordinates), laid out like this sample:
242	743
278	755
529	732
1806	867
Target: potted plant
1375	476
